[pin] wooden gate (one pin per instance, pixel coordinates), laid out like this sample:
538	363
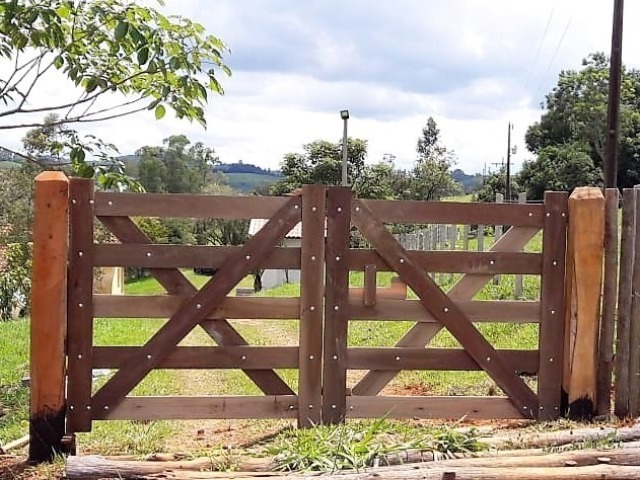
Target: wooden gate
186	307
324	308
435	309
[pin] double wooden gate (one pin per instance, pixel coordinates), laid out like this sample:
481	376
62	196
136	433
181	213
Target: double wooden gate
324	309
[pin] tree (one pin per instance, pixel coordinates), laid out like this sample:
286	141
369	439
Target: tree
122	57
575	120
321	163
431	174
497	183
562	168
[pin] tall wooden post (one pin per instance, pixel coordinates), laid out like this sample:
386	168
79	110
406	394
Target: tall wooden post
582	304
48	316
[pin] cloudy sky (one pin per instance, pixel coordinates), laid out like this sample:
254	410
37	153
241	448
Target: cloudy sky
474	65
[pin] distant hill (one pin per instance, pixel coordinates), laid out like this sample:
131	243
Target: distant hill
245	177
469	182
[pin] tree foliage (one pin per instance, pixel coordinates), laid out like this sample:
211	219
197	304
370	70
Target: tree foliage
121	57
572	131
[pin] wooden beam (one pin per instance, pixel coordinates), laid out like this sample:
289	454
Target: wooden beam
48	316
584	275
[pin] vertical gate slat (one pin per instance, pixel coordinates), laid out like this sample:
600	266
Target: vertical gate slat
551	335
80	305
311	305
627	247
336	304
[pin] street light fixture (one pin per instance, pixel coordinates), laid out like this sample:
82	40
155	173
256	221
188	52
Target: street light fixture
344	114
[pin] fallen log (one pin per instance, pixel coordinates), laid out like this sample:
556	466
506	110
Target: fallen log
19	443
93	467
435	472
563	437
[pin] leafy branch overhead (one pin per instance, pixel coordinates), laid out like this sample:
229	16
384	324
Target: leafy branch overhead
141	59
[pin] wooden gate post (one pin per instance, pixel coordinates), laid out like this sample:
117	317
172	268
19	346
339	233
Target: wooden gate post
582	304
48	316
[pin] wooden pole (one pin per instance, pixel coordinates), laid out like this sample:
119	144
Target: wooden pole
519	285
634	325
609	300
584	275
48	316
627	246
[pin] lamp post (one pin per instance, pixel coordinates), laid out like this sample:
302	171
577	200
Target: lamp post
344	114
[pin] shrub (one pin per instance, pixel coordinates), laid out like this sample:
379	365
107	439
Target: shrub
15	279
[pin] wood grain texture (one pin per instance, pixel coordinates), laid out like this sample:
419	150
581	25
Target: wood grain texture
183	256
336	304
584	277
199	306
79	307
445	261
609	302
627	248
444	310
311	305
634	327
433	359
242	357
393	211
48	316
175	205
370	285
196	408
551	332
453	408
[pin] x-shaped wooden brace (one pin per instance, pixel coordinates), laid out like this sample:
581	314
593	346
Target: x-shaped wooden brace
444	310
197	309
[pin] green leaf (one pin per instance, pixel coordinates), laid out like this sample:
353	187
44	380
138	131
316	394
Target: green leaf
63	11
143	56
121	30
160	112
92	83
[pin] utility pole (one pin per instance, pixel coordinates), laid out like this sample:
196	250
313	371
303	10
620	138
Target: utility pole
508	183
613	111
344	114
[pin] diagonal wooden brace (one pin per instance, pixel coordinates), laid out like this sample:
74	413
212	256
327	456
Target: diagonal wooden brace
445	310
199	307
175	283
465	289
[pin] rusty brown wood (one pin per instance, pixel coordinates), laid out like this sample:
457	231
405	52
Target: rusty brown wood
181	256
627	248
370	285
79	305
634	326
173	205
175	283
609	302
551	332
242	357
336	304
466	288
445	311
393	211
311	307
198	307
525	361
457	262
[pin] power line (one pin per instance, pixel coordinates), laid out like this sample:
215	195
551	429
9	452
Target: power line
544	77
540	44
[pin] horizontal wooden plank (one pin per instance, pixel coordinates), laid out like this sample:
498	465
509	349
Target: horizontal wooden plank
453	408
456	262
433	359
181	256
174	205
477	311
263	358
200	408
164	306
393	211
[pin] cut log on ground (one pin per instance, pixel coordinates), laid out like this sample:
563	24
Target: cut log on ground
93	467
19	443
